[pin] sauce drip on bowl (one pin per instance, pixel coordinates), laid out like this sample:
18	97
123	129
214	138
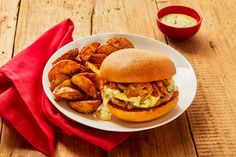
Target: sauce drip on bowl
178	20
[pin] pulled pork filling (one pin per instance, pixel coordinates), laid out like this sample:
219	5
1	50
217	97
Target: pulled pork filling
139	95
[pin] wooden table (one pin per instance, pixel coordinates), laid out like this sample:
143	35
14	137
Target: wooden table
208	128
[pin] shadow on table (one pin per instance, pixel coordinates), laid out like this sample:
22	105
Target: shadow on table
193	45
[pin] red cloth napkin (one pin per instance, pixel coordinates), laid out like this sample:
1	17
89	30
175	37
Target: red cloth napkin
24	104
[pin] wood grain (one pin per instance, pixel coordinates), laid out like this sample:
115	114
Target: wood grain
38	16
211	51
35	17
91	15
115	17
8	20
121	17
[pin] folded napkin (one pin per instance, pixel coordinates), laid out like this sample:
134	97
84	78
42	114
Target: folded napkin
24	104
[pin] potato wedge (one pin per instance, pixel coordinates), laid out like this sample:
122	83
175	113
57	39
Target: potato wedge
106	49
89	50
98	66
93	67
86	106
57	80
85	85
66	83
67	93
120	43
68	55
98	96
97	58
66	67
94	78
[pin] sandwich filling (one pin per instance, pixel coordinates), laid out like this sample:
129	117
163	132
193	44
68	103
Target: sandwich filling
135	96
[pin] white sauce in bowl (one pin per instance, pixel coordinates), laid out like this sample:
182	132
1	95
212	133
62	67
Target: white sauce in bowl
178	20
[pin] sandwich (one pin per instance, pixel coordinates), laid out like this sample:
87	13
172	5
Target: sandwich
138	85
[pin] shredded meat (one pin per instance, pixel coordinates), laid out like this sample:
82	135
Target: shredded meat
164	99
138	89
123	104
143	90
129	106
134	89
119	102
112	85
156	92
162	89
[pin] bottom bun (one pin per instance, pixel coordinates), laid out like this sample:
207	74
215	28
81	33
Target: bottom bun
144	115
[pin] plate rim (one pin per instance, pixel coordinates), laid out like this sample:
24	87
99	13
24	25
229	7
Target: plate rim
60	109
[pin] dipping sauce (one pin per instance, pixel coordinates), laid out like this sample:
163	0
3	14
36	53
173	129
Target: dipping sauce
178	20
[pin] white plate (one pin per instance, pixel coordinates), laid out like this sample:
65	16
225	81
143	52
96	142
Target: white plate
185	79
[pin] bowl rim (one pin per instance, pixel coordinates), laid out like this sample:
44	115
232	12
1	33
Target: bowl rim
184	7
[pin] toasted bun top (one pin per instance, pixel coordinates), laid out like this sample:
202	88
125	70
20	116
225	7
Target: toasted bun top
136	65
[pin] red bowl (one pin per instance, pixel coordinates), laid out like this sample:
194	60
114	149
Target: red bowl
178	32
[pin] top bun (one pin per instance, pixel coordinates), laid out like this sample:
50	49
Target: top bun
136	65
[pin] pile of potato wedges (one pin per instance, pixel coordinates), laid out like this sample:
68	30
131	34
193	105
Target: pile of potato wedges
74	75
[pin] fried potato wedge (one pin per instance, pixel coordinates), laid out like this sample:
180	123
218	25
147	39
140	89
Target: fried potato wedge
66	83
98	66
67	93
86	106
89	50
93	67
120	43
85	85
68	55
106	49
93	77
97	58
66	67
98	96
57	80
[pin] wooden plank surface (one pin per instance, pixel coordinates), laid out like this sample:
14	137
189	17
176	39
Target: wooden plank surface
212	52
212	122
38	16
34	19
94	12
8	19
121	16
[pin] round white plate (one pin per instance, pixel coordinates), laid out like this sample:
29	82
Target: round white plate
185	79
